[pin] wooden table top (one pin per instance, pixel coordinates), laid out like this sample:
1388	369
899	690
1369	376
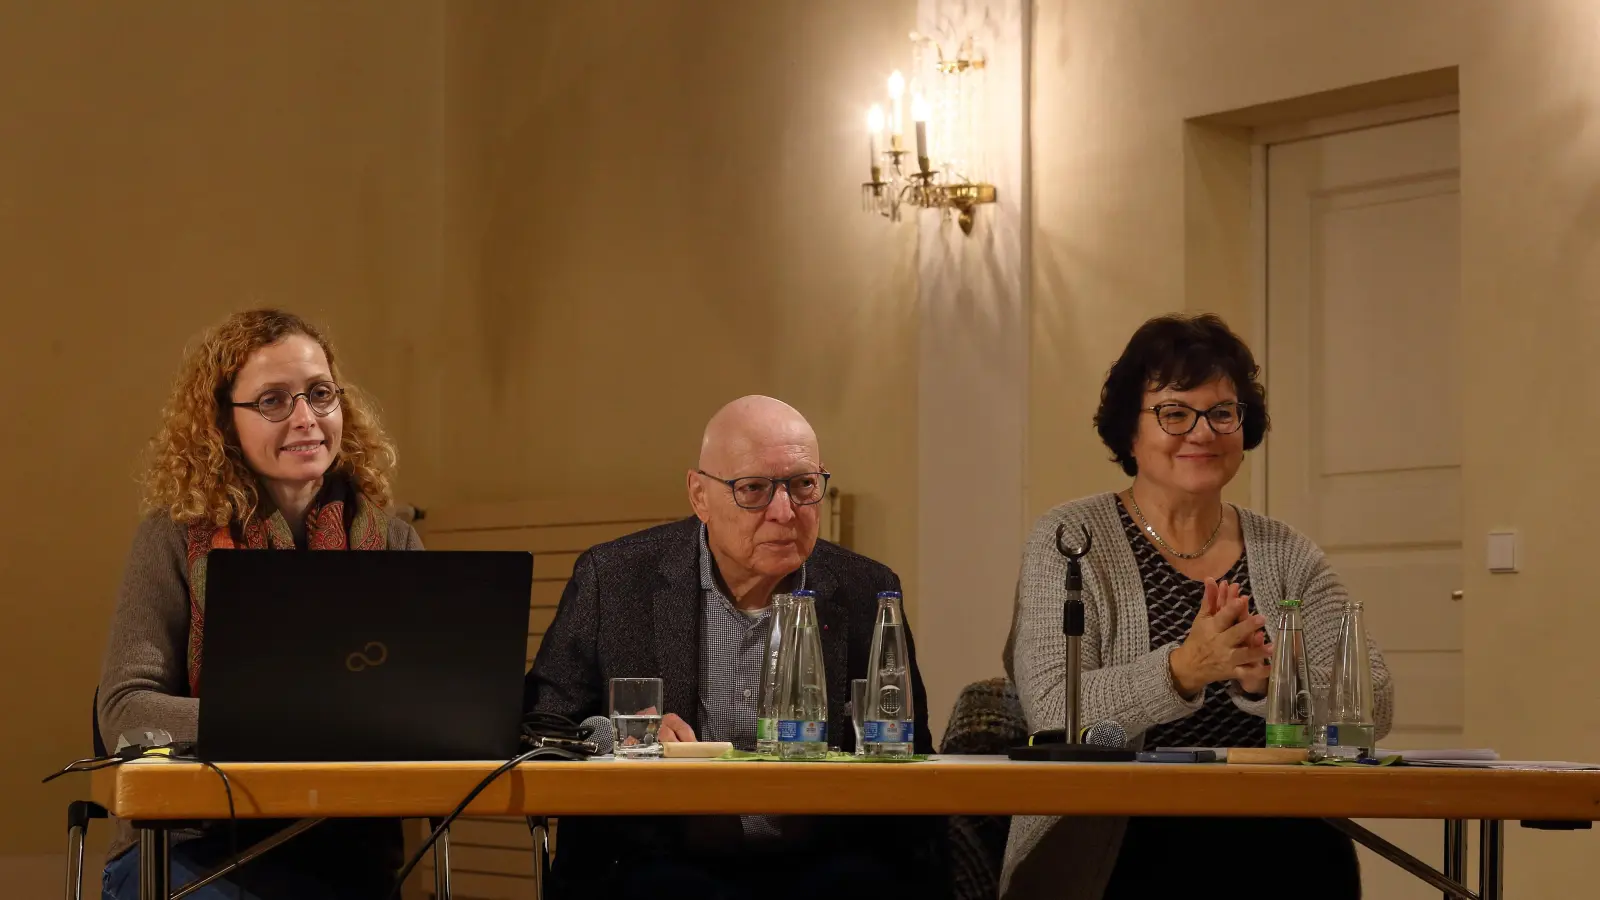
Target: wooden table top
942	785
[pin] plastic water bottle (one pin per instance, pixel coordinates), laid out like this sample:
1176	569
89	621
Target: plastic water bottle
1350	727
771	674
1289	685
888	725
803	690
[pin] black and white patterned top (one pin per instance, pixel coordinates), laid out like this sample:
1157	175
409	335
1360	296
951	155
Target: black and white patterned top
731	646
1172	600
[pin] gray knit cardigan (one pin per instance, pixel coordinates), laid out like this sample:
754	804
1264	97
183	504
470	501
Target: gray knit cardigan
1124	680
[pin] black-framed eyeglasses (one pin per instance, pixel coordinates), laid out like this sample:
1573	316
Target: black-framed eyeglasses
1179	419
756	491
278	404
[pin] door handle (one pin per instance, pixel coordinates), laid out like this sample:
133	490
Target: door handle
1457	595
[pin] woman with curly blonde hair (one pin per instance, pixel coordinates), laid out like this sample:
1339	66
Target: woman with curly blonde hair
262	446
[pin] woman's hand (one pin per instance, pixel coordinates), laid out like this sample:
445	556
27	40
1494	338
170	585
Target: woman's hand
1254	677
1224	639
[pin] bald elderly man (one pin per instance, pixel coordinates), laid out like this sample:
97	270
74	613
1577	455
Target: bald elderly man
690	603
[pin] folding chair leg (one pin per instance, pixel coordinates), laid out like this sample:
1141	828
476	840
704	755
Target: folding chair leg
441	866
540	829
75	837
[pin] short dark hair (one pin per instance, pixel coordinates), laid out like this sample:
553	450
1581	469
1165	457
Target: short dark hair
1181	352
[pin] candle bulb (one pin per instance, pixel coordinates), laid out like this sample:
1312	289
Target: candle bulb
919	112
874	133
897	88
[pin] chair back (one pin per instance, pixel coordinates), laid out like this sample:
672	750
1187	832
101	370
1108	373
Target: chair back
987	720
94	726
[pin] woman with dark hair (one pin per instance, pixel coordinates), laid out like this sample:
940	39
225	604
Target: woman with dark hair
1179	588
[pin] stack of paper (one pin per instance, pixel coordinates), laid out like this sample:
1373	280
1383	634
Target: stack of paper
1523	765
1451	755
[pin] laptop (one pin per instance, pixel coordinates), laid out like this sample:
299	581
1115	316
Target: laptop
391	655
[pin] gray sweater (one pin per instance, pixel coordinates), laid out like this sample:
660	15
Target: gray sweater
1124	680
143	683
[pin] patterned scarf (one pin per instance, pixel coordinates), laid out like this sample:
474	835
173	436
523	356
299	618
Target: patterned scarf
340	518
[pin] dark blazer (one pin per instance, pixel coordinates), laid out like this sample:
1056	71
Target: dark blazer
633	610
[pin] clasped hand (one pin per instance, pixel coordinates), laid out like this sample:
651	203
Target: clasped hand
1224	642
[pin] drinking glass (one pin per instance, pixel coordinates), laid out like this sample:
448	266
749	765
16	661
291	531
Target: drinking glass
636	716
858	711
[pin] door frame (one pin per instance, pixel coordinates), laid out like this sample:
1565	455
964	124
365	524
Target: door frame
1261	139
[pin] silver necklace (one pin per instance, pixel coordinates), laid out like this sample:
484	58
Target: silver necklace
1145	524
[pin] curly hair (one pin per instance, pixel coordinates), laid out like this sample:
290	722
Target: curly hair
197	471
1181	352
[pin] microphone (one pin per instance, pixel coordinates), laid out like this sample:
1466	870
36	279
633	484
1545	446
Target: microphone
604	736
564	740
1105	733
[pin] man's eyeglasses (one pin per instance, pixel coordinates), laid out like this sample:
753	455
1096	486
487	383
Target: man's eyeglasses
756	492
1179	419
277	405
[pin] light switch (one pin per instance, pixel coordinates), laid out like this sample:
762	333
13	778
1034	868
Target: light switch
1502	551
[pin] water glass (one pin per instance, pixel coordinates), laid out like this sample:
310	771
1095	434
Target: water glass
636	716
858	711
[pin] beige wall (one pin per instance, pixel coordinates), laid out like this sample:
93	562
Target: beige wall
1532	331
550	240
1114	83
972	375
160	165
654	210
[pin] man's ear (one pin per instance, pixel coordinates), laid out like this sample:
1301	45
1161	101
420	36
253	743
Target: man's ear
697	496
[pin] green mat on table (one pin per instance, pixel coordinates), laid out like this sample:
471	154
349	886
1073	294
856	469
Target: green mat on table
834	756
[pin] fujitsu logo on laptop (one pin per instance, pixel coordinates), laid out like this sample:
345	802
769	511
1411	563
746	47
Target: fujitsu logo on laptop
375	653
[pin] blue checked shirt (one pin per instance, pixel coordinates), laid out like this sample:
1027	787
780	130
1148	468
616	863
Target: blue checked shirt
731	646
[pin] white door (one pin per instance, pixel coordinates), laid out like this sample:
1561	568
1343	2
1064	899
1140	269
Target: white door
1362	366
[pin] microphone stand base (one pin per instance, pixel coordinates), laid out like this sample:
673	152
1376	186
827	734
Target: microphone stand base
1071	753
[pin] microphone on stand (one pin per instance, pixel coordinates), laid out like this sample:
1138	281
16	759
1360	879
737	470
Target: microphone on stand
1072	746
1106	733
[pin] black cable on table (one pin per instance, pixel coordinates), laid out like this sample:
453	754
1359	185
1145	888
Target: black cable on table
129	754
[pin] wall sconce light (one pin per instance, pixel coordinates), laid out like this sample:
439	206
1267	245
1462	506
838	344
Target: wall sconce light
946	120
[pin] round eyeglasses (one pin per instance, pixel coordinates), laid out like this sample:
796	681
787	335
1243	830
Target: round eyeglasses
1179	419
276	405
756	491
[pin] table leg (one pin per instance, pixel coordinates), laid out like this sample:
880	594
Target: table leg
441	866
1491	859
155	864
1455	851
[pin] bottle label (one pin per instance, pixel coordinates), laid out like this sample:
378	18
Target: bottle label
801	731
1348	735
1287	736
887	731
766	729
